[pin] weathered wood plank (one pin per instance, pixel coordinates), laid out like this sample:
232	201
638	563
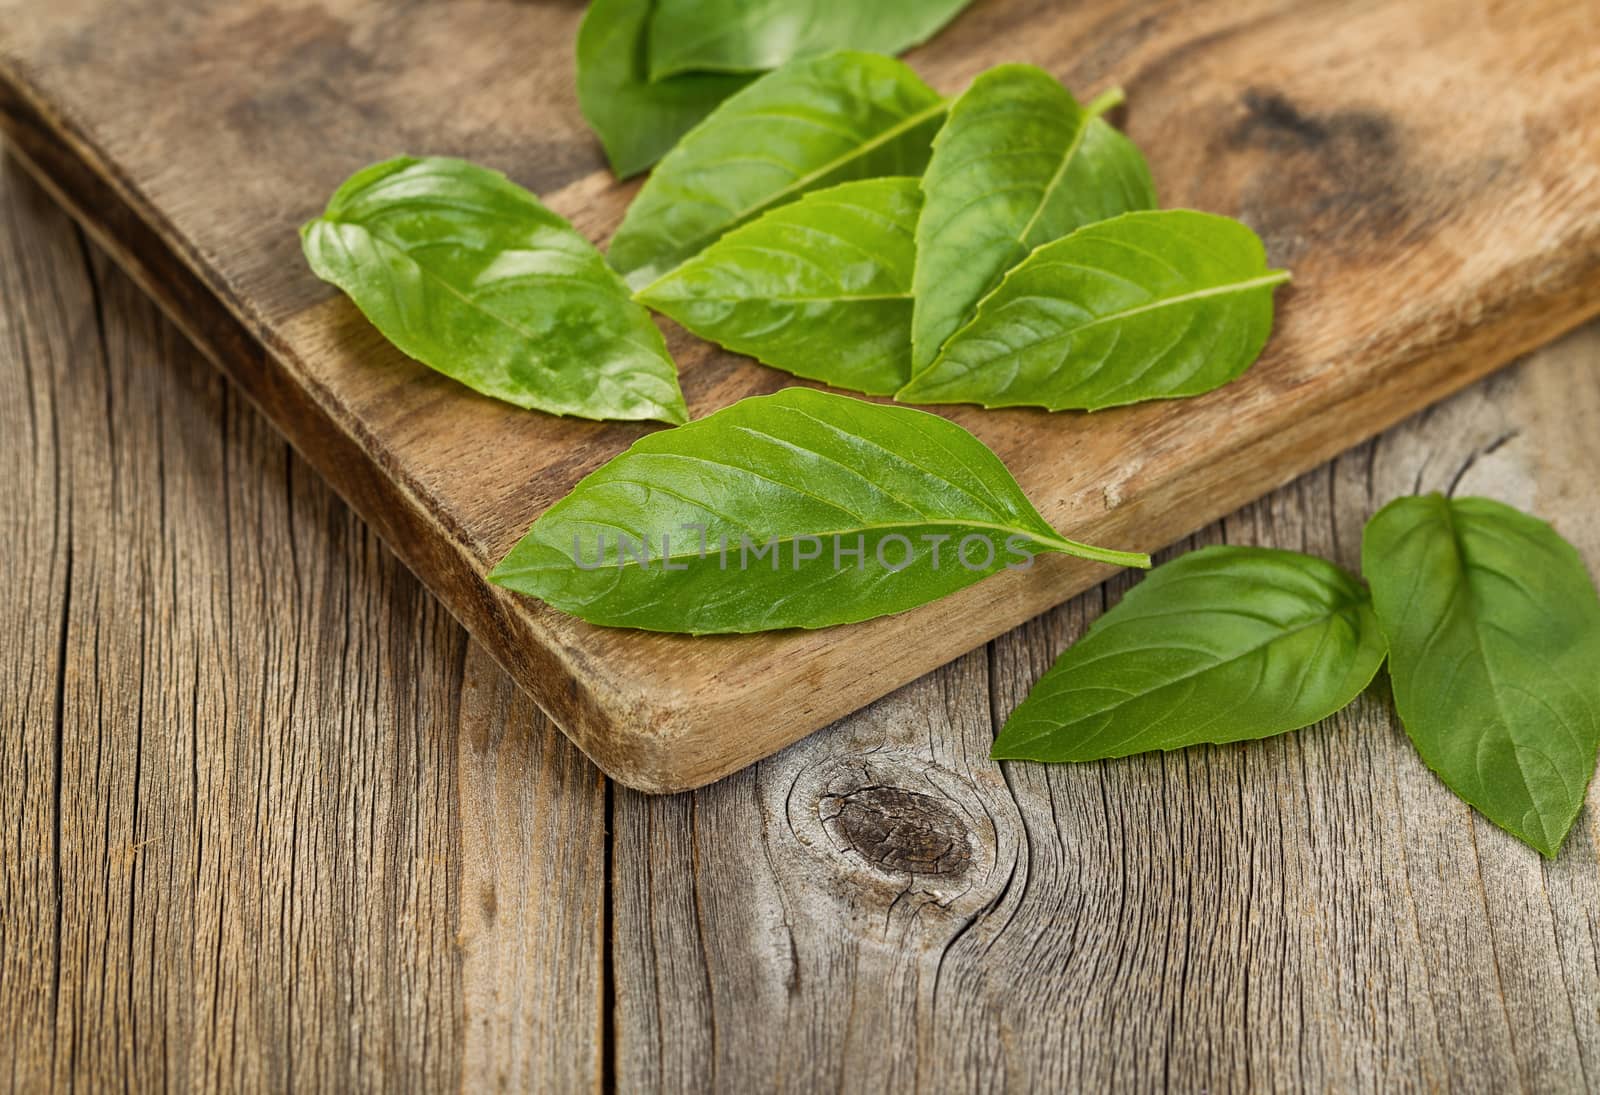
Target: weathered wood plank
532	894
46	297
879	905
247	763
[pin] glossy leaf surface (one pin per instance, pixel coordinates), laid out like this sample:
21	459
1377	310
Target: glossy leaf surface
1148	305
807	126
1018	163
1222	644
820	287
753	35
468	273
833	510
637	120
1494	629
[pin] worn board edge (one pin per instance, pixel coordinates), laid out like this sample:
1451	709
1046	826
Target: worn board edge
626	742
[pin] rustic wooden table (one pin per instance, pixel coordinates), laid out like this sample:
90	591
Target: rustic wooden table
271	819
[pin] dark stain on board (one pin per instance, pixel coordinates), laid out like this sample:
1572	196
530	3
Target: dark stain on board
1340	180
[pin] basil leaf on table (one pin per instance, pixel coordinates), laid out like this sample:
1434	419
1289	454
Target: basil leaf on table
809	125
1494	634
832	510
468	273
752	35
1017	164
1148	305
1222	644
637	120
820	287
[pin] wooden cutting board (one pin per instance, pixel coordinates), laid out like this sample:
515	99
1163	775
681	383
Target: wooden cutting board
1430	170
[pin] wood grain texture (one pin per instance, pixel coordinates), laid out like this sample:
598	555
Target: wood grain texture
1429	171
533	815
234	736
880	907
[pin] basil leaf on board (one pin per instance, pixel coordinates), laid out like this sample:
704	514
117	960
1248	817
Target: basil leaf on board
1222	644
636	120
753	35
468	273
799	509
1494	634
820	287
809	125
1148	305
1017	164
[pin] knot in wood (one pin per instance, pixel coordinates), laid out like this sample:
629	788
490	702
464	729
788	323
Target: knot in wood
898	831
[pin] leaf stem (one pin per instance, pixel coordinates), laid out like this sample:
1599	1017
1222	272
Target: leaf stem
1109	99
1096	554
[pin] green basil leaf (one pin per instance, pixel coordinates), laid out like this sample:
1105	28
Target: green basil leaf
799	509
468	273
809	125
820	287
1148	305
636	120
1017	164
1494	634
1222	644
754	35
